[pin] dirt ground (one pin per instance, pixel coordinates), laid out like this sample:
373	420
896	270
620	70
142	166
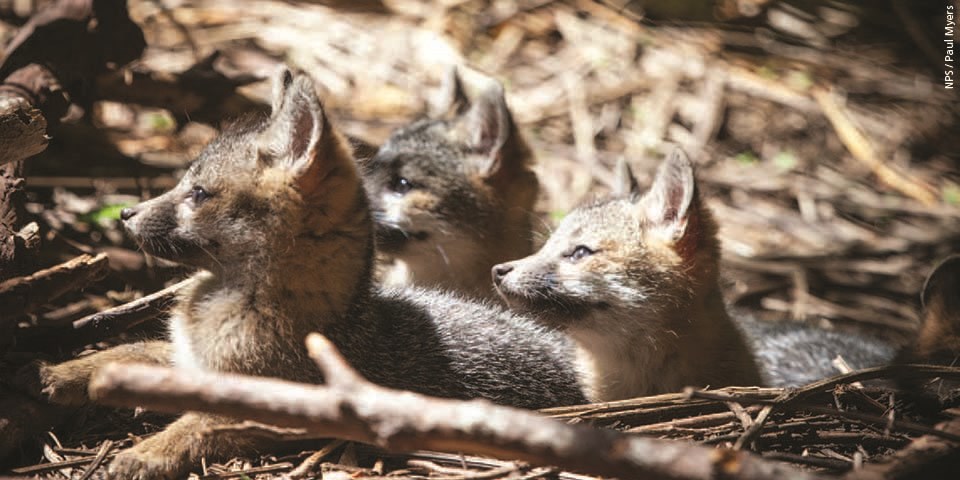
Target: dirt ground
825	141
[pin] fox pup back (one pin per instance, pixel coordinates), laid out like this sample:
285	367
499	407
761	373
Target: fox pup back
633	280
454	195
275	215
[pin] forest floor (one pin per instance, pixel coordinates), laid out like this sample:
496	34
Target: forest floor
824	139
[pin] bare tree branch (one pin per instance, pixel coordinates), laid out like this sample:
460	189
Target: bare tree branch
114	320
352	408
23	294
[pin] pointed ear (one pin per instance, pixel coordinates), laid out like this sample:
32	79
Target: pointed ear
624	184
296	123
298	137
487	128
938	338
667	204
452	99
281	82
943	285
487	121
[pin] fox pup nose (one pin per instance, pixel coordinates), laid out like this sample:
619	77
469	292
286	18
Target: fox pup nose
127	213
500	271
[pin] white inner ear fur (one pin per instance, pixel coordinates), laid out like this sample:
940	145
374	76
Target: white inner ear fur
296	126
664	208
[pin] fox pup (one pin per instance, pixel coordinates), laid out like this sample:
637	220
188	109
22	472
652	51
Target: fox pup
634	281
793	355
454	194
274	213
938	340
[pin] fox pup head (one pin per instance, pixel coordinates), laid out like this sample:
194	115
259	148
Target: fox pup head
443	187
939	337
643	255
254	191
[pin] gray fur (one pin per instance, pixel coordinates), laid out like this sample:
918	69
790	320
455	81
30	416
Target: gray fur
791	354
633	281
453	194
422	340
443	345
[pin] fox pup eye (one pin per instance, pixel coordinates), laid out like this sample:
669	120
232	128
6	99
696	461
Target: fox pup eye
579	252
199	195
401	185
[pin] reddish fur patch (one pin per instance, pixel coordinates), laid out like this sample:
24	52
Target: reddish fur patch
422	200
689	243
940	332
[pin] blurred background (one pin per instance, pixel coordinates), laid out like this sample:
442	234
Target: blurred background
825	139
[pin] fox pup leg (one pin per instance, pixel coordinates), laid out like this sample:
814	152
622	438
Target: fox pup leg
66	383
170	453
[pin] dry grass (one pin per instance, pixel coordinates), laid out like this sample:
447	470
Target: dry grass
825	143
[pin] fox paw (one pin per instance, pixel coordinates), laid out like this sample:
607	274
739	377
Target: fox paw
142	463
61	384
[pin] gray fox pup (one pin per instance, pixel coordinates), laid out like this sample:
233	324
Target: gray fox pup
793	355
274	213
938	340
633	279
454	195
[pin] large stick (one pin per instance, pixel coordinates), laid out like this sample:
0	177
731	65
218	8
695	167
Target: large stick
350	407
24	294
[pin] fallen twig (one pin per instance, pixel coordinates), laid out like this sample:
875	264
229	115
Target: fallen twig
122	317
861	149
98	460
24	294
926	457
306	467
351	408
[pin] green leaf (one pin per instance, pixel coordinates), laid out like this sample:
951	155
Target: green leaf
785	160
800	80
104	214
951	193
746	158
161	122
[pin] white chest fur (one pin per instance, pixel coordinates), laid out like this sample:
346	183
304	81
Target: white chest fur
184	353
216	333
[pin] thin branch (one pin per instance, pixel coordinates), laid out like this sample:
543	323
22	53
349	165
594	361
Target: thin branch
123	317
24	294
862	149
925	457
307	466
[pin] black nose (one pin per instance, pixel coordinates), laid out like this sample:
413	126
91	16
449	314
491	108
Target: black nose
500	271
127	213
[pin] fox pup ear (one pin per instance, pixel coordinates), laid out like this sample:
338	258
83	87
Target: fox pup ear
624	184
298	137
452	99
943	286
938	339
281	82
667	206
487	129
